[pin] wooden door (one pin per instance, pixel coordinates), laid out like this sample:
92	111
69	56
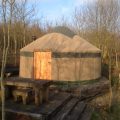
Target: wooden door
42	65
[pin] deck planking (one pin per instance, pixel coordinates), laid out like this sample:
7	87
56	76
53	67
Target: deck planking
77	112
63	113
43	111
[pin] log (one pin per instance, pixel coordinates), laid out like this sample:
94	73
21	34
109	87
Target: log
77	111
34	115
62	114
87	114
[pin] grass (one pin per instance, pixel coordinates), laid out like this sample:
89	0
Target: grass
96	116
115	81
115	112
111	114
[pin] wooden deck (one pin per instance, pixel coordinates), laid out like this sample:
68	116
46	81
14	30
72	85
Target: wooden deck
61	106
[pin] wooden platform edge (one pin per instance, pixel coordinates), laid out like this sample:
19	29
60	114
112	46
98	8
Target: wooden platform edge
34	115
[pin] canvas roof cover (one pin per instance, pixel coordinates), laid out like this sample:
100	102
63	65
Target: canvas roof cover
63	30
57	42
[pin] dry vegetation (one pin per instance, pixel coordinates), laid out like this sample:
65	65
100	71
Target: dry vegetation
98	22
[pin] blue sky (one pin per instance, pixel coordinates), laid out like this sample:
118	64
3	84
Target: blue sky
52	10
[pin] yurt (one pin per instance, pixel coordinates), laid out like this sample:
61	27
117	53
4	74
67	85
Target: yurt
56	56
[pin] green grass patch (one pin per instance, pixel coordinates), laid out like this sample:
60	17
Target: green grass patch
114	112
96	116
115	81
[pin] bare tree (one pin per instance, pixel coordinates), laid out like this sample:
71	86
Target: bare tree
26	15
99	22
6	30
4	56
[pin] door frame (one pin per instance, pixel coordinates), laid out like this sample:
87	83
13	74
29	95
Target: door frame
37	50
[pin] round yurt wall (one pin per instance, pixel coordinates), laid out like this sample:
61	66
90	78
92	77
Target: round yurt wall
72	59
75	67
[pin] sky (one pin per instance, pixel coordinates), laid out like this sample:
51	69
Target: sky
52	10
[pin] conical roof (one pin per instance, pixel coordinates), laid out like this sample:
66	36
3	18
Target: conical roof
51	41
63	30
57	42
83	45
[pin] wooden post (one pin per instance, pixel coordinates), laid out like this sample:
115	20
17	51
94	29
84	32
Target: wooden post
38	96
37	101
45	94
